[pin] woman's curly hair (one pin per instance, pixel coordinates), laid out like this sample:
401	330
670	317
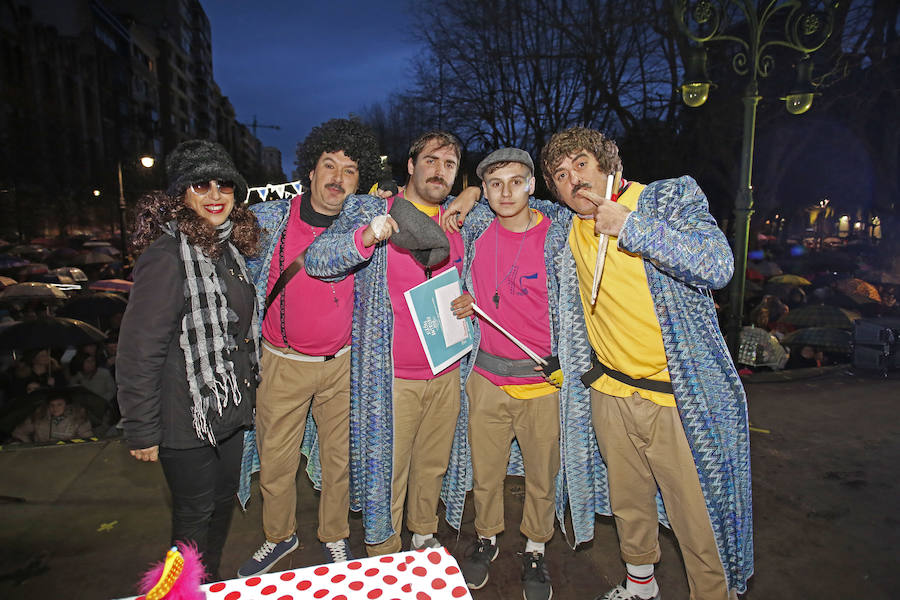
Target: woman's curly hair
572	140
357	141
158	208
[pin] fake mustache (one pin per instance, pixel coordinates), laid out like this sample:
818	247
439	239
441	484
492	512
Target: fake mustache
584	185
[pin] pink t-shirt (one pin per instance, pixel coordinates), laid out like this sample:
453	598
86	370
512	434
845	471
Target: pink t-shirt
404	273
512	264
318	314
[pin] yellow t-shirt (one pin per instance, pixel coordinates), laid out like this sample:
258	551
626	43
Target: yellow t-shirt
622	327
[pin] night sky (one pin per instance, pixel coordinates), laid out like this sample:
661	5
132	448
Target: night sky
297	64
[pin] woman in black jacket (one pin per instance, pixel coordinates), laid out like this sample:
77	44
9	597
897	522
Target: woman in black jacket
187	359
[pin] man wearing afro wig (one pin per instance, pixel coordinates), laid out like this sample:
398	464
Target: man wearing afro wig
304	397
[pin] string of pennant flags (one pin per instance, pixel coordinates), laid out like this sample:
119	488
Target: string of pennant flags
283	191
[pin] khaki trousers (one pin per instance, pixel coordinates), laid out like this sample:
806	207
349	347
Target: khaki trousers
425	414
644	446
495	418
289	390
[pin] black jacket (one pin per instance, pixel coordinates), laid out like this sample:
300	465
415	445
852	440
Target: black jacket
150	370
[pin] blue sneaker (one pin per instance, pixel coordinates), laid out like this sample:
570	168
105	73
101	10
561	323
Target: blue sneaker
267	555
338	551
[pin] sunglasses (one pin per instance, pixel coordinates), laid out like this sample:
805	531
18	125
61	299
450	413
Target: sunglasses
201	188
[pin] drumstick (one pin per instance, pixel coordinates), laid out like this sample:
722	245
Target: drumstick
531	353
602	244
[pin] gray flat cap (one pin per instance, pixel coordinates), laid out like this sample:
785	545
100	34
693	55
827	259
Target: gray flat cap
504	155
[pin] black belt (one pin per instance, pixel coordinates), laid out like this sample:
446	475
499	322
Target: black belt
506	367
598	369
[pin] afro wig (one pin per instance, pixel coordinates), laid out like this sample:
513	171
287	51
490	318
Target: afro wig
353	137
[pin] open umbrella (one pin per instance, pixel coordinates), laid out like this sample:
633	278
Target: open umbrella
825	338
30	251
790	280
820	315
91	258
759	348
33	269
24	407
48	332
73	272
8	261
109	250
767	268
6	282
754	275
31	290
112	285
882	277
93	308
858	287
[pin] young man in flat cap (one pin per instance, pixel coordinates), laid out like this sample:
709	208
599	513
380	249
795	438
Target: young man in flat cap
510	273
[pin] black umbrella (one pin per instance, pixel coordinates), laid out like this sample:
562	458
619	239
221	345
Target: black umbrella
91	258
94	307
25	406
48	332
824	338
32	291
820	315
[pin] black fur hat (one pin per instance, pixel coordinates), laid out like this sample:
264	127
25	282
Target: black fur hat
202	160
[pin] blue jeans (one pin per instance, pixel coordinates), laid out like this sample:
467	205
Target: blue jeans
203	482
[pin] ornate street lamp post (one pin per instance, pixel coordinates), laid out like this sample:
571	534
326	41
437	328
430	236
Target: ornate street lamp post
807	25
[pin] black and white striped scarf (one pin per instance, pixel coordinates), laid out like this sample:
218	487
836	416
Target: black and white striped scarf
204	335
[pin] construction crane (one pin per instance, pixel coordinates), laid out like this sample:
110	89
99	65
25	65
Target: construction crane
254	125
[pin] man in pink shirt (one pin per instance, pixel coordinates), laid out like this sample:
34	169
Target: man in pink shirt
403	416
306	346
510	273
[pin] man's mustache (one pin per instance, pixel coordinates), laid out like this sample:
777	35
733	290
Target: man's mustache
336	187
439	180
584	185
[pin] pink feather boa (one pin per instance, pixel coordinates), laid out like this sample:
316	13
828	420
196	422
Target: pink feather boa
187	586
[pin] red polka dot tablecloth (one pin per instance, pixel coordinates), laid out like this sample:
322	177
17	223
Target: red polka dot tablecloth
419	575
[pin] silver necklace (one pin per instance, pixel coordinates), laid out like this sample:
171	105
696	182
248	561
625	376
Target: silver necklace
496	296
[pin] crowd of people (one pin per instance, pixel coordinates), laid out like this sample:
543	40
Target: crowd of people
82	378
254	334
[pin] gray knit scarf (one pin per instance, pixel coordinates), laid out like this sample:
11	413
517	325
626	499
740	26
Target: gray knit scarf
204	334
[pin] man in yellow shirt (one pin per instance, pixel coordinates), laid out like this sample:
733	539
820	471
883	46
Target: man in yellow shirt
667	406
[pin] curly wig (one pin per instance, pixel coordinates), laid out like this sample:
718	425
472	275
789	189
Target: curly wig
572	140
158	208
353	137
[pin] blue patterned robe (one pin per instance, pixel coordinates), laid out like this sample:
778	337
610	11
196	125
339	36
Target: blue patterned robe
685	255
333	255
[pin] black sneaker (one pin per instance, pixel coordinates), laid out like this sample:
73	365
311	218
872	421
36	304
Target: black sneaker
476	565
338	551
535	578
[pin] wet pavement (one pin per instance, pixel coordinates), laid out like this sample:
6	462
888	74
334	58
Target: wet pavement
84	521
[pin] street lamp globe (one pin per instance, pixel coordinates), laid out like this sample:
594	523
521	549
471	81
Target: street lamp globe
96	193
797	104
147	161
695	89
694	94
